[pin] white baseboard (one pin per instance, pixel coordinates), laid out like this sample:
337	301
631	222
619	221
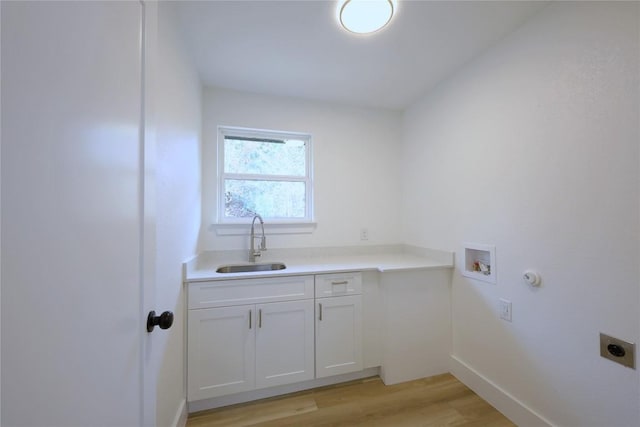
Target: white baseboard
248	396
512	408
180	419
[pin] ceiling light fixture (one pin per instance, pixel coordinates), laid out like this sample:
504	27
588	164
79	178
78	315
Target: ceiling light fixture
365	16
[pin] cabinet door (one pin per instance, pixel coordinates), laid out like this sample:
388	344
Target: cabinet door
338	335
284	343
221	351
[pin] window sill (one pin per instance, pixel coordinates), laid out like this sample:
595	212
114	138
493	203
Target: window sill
269	228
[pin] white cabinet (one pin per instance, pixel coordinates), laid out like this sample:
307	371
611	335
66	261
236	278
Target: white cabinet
340	284
284	343
248	337
249	334
242	347
338	325
221	354
225	293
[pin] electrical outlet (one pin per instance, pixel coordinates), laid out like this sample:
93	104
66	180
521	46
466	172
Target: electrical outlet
504	307
364	234
618	351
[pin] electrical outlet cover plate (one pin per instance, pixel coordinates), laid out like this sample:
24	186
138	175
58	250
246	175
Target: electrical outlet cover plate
617	350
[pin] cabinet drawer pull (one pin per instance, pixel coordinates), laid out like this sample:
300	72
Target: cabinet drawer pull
344	282
260	318
320	311
250	312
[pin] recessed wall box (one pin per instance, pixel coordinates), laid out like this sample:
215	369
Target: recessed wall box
479	262
618	350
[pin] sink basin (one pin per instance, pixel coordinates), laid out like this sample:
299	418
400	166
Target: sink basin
245	268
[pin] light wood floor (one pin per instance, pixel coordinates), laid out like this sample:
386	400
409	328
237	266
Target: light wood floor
437	401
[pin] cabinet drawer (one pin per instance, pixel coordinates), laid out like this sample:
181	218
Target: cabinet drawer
333	285
249	291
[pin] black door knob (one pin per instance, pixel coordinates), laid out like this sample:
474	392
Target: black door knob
164	321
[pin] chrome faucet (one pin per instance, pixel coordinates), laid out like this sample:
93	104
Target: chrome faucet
253	252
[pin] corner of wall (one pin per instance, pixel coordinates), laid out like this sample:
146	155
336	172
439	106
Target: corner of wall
508	405
180	420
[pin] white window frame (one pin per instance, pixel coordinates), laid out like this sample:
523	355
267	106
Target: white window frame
264	134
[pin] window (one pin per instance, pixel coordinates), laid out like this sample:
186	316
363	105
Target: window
266	173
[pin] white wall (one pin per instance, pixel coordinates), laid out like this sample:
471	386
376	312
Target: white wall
178	116
533	147
355	166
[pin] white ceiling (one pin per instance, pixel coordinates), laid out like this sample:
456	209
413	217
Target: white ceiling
297	48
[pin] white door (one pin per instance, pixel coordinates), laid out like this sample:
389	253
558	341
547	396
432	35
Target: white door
284	343
72	207
338	335
221	353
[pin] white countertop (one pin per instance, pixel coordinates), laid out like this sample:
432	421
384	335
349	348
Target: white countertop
204	269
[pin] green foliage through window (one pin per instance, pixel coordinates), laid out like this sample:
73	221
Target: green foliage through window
265	173
267	158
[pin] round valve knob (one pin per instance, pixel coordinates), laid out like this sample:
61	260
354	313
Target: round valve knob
532	277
